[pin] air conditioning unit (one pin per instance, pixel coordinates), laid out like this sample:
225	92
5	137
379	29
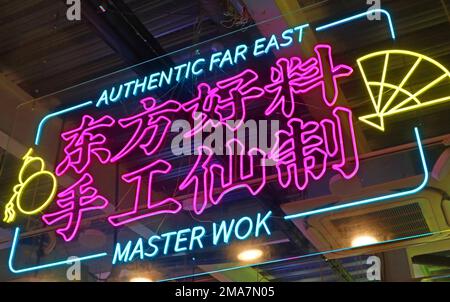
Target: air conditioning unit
430	261
420	218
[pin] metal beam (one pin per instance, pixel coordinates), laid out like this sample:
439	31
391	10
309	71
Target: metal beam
119	27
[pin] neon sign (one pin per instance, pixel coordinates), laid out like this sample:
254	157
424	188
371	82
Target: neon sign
26	178
305	150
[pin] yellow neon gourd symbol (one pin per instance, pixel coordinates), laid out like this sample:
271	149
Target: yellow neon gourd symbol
393	106
20	188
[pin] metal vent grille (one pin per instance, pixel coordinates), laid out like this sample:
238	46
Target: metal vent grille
397	222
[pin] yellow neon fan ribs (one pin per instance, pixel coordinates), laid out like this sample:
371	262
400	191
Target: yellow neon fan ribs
389	98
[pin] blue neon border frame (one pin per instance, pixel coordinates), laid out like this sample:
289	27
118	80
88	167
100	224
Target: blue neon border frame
359	16
46	118
55	114
43	266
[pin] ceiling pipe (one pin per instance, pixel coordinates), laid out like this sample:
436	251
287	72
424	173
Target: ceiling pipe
213	9
445	9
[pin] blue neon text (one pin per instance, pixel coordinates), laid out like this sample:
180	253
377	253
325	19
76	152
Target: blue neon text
186	240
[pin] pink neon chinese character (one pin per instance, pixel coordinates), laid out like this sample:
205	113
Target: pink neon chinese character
83	144
293	76
74	201
304	151
144	205
147	126
214	180
225	102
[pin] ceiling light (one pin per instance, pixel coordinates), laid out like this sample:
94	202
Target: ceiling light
140	279
250	255
363	240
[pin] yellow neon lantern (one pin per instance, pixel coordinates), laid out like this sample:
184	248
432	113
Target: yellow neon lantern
24	181
401	99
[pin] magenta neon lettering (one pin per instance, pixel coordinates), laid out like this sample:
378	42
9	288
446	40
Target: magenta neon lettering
84	143
224	102
73	202
303	151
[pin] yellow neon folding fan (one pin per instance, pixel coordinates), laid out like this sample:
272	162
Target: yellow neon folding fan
392	95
